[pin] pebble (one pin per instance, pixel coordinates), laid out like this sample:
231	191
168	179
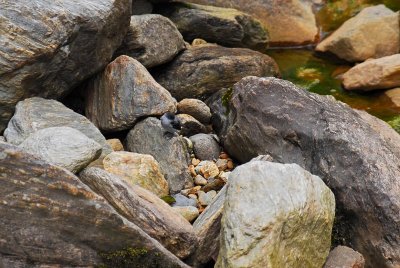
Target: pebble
189	213
183	201
224	175
222	164
207	169
193	190
214	184
193	196
115	144
230	164
195	161
223	155
192	171
206	198
199	180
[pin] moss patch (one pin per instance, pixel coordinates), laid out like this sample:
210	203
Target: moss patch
226	98
124	258
395	123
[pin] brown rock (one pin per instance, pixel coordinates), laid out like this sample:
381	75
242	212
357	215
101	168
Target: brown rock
123	93
207	169
214	184
190	126
195	161
380	73
394	95
192	171
195	108
344	257
115	144
137	169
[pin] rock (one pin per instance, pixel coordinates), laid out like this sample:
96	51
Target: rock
201	71
207	169
144	209
207	227
152	39
199	180
289	23
372	33
183	201
374	74
205	147
222	164
115	145
189	213
263	157
195	108
62	146
52	51
2	139
224	176
192	171
225	26
195	161
394	95
36	113
344	257
190	126
214	184
137	169
147	137
52	219
206	198
294	228
331	140
123	93
140	7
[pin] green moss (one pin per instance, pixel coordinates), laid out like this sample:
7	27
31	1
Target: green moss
126	257
226	98
395	123
168	199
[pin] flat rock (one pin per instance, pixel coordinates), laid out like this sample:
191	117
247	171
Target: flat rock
205	147
50	218
62	146
225	26
344	257
137	169
372	33
123	93
202	70
36	113
152	39
195	108
148	137
289	23
294	228
333	141
143	208
382	73
49	47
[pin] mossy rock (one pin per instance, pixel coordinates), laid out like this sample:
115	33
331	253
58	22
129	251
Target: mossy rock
129	257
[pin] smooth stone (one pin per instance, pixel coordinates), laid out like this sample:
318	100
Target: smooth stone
137	169
200	180
190	126
143	208
372	33
62	146
195	161
123	93
214	184
206	198
222	164
36	113
275	215
205	147
148	137
116	145
195	108
50	47
382	73
183	201
344	257
207	169
152	39
52	219
200	71
189	213
225	26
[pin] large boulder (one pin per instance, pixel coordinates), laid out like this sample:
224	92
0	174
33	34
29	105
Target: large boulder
275	215
123	93
373	33
62	146
36	113
225	26
149	137
49	47
152	39
203	70
145	209
290	22
331	140
382	73
49	218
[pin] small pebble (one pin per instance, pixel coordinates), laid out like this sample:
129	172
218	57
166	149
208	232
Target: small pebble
183	201
192	171
207	169
193	196
195	161
230	164
206	198
223	155
222	164
214	184
189	213
115	144
199	180
224	175
190	191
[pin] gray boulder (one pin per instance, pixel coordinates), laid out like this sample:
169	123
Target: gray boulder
195	108
50	47
145	209
275	215
123	93
225	26
36	113
202	70
52	219
152	39
333	141
149	137
62	146
205	147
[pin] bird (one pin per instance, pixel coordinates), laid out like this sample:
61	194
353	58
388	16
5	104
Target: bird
170	123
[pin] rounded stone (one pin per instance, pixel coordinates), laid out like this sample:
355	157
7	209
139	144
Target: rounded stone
189	213
205	147
199	180
195	108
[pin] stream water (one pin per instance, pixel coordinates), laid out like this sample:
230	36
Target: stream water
318	73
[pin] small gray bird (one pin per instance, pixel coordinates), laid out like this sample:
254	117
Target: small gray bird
170	123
